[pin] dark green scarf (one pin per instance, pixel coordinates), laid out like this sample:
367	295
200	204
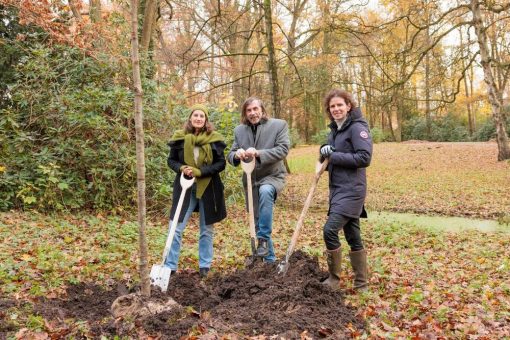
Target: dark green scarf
205	157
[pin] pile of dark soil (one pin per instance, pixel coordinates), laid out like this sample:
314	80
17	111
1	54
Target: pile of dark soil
250	302
5	325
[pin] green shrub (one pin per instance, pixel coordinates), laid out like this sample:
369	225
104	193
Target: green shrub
487	130
295	138
449	129
225	122
320	137
378	135
443	129
68	135
415	128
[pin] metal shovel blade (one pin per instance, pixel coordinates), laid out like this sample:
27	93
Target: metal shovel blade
283	267
160	276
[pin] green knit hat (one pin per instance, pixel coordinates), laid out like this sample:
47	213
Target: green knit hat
201	108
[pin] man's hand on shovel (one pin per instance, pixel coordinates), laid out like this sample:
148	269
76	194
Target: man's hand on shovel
252	152
246	155
240	154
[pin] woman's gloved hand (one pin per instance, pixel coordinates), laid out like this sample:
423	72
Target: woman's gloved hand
327	150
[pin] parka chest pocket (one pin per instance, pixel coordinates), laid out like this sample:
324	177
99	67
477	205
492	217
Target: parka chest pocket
344	145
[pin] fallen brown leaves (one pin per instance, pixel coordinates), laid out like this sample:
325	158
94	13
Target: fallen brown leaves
55	18
453	179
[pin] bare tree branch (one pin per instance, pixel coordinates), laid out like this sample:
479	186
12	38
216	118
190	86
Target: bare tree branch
225	83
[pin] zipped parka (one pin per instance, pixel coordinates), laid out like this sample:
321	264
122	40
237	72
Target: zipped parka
347	165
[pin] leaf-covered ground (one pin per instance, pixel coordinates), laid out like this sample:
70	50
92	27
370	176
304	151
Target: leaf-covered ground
453	179
424	283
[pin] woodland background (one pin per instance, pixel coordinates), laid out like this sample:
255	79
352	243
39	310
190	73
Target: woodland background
430	70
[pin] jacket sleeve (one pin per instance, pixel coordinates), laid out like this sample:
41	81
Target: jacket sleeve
235	146
173	158
280	149
362	145
218	164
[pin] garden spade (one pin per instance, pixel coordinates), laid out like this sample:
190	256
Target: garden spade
160	274
319	169
248	167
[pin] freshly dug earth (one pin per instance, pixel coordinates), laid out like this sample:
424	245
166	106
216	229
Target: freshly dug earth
5	327
250	302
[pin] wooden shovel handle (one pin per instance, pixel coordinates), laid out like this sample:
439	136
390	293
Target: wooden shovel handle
248	168
319	169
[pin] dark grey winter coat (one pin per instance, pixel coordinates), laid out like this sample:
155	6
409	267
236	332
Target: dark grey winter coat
347	165
213	197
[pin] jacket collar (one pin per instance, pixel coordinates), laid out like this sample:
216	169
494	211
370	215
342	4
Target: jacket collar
261	122
352	116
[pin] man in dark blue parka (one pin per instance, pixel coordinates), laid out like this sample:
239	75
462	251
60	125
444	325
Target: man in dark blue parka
349	150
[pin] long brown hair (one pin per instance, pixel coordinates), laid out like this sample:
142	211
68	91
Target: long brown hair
244	119
207	128
347	97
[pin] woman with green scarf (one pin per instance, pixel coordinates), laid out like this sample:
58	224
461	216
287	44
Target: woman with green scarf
197	151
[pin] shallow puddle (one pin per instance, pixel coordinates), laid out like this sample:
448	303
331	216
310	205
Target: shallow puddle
452	224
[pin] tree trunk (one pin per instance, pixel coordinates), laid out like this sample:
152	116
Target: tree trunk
427	91
245	64
428	113
471	124
390	124
212	74
466	88
140	150
501	136
257	82
149	18
471	90
75	10
95	10
370	99
271	60
399	117
193	67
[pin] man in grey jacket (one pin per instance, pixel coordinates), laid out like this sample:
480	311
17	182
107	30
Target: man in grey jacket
266	139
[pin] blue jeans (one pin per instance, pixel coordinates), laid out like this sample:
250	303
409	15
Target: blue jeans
264	222
205	242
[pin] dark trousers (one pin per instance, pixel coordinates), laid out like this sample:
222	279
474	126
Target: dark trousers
351	229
